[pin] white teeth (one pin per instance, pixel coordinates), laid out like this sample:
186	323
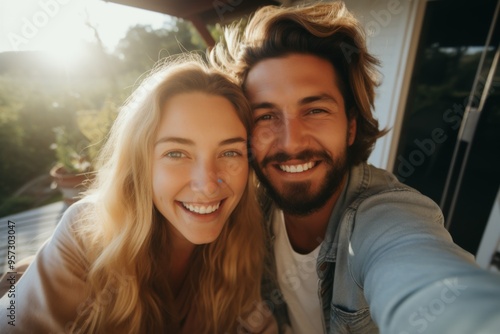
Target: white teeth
201	209
297	168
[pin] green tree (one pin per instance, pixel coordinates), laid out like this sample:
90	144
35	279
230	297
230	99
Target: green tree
143	46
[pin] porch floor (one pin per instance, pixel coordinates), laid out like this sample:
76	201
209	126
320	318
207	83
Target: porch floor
31	229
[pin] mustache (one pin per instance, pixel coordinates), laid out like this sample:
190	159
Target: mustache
281	157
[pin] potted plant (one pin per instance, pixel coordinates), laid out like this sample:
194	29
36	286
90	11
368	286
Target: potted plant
76	150
73	167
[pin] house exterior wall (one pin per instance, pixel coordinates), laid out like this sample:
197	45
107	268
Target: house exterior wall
393	28
490	244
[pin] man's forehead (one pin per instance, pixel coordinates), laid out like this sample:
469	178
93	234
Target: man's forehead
302	78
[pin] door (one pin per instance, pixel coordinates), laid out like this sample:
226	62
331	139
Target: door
450	139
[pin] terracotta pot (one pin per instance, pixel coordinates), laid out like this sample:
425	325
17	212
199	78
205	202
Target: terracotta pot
70	184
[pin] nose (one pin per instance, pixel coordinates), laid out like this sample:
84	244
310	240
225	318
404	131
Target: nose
291	136
204	178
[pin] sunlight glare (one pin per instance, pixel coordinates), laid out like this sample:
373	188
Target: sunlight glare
62	27
61	56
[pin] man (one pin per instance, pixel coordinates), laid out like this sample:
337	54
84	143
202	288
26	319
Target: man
355	250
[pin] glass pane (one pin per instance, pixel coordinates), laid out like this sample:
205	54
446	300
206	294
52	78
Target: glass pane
481	178
453	37
452	42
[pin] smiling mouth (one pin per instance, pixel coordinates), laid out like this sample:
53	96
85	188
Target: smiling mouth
202	209
299	168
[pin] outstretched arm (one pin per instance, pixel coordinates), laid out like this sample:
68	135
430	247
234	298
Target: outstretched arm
415	279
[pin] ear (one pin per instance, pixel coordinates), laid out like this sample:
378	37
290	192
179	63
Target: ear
351	131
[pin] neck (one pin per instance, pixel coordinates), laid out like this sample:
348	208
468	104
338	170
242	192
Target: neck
179	265
307	232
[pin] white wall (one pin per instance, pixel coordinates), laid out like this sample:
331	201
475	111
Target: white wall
392	27
490	243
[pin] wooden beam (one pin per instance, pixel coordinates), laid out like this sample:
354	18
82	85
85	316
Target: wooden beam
155	6
201	26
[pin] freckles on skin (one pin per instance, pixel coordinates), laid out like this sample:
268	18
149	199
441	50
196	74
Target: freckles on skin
232	169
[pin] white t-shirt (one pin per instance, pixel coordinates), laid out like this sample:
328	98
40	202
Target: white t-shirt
298	281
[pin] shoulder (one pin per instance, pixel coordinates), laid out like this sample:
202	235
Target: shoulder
376	193
372	180
386	197
76	212
387	207
73	219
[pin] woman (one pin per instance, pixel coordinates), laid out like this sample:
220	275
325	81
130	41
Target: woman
169	238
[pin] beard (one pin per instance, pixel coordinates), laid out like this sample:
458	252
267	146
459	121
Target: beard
297	198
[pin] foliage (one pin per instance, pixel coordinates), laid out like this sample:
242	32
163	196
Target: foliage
70	150
27	118
142	47
77	149
95	125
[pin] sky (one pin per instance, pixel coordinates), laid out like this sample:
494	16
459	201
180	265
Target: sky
58	26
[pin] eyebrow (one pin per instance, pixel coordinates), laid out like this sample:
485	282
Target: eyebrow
185	141
303	101
316	98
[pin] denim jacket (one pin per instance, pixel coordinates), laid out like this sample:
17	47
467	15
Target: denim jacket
388	265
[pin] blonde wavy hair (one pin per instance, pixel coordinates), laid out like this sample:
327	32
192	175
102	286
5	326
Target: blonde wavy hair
326	30
127	239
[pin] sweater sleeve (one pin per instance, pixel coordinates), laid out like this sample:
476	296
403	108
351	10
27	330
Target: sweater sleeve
52	290
415	279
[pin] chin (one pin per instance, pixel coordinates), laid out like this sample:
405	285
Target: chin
203	240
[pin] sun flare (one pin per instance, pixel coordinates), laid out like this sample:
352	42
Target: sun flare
64	28
64	54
